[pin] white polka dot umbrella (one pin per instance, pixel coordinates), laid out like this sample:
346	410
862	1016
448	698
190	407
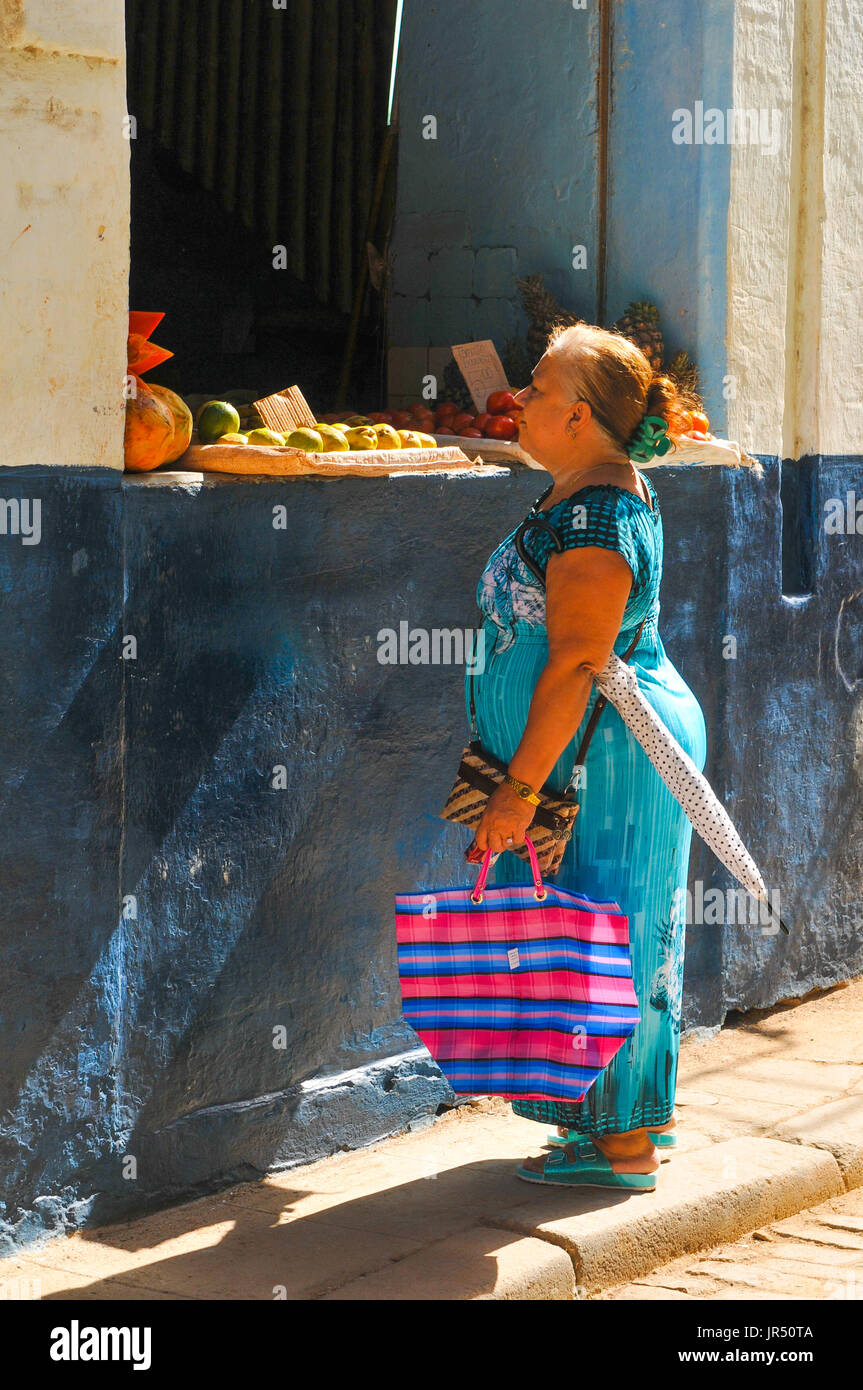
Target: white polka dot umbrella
618	682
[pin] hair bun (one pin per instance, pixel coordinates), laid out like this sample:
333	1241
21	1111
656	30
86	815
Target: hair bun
666	400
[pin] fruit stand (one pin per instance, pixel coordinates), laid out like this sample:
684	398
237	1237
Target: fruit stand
279	435
236	435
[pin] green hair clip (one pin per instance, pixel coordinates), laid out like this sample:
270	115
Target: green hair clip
650	438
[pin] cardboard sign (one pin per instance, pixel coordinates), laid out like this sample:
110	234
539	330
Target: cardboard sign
482	370
286	411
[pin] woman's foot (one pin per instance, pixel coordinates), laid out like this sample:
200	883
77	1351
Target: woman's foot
627	1153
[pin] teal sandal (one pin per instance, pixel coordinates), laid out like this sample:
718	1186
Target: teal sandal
588	1168
659	1139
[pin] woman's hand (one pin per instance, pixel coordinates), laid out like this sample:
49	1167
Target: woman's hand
505	819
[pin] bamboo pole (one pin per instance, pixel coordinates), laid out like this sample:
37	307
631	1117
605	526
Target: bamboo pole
208	125
294	202
374	210
250	136
187	87
323	130
276	31
344	221
232	30
168	71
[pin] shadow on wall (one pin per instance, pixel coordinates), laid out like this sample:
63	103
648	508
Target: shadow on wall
198	958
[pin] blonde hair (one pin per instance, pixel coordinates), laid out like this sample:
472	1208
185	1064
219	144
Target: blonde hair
616	379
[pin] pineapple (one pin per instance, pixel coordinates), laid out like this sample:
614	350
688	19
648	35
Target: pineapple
544	312
455	388
684	371
640	324
516	363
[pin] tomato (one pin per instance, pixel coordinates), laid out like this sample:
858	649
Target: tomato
401	419
502	427
500	403
470	433
448	408
463	420
481	421
445	427
378	417
700	422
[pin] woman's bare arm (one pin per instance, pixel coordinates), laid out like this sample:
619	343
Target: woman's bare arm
586	594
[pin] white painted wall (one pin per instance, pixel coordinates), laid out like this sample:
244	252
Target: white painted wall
795	231
64	231
841	366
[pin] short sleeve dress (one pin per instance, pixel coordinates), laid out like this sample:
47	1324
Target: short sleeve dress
632	839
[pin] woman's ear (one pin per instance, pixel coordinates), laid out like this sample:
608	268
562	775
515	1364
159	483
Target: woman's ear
579	415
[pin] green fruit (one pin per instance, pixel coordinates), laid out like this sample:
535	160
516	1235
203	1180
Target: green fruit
215	419
267	437
362	437
307	439
335	440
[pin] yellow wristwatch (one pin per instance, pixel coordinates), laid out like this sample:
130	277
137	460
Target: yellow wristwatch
522	789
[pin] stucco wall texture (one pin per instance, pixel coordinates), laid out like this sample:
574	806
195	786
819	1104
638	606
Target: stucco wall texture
64	229
197	966
511	178
795	231
749	245
197	969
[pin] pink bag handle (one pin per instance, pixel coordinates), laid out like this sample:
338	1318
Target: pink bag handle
539	891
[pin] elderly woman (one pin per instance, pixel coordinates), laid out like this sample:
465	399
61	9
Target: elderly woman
588	396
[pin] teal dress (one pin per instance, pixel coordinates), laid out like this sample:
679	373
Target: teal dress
631	839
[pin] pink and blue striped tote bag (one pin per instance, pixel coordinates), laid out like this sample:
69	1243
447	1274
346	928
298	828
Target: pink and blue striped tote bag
522	991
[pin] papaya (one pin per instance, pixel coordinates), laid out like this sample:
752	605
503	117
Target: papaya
150	428
183	422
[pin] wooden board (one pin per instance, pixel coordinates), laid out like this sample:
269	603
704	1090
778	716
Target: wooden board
285	411
253	459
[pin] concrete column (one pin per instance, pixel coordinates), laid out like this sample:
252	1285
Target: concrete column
795	229
64	231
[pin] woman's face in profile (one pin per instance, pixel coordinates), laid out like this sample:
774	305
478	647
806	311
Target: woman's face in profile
544	416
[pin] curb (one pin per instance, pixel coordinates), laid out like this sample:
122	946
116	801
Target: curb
836	1127
711	1196
568	1245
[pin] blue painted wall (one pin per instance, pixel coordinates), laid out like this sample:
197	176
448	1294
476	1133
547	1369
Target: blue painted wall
150	1034
510	184
668	203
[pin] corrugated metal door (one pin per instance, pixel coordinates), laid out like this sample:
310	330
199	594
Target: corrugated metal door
280	113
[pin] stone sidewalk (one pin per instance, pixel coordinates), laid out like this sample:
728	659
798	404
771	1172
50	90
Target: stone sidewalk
816	1255
770	1115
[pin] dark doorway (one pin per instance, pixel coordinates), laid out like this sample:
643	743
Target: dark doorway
257	128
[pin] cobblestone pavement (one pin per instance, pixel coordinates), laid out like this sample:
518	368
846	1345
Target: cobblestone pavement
817	1254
